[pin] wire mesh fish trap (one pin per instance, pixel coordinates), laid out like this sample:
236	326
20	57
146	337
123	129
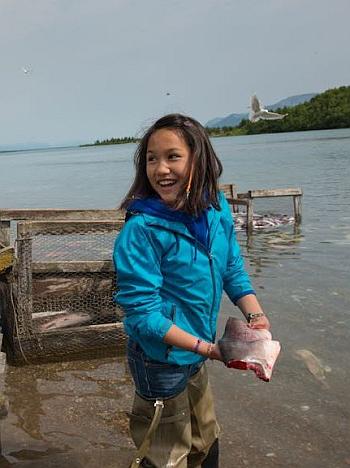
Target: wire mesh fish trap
62	292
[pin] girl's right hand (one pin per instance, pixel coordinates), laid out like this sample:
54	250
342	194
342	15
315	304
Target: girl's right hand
260	323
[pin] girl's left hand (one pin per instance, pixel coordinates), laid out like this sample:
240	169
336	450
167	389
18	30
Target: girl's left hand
216	353
259	323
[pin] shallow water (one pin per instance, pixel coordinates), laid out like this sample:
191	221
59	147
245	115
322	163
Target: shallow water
72	414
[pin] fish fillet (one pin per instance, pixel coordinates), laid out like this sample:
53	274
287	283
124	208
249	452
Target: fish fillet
245	348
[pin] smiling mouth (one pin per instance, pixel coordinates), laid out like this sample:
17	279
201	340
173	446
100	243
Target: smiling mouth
166	183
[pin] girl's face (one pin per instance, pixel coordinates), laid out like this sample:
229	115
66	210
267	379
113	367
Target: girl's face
168	159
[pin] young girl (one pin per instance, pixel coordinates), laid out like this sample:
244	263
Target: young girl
175	255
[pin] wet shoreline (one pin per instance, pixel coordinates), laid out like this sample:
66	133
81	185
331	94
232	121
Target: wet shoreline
73	414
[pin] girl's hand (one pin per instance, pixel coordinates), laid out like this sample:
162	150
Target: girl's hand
260	322
215	353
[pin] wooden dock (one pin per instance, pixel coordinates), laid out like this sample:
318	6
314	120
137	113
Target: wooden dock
246	199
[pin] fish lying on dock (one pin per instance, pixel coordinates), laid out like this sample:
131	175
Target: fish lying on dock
245	348
262	221
65	321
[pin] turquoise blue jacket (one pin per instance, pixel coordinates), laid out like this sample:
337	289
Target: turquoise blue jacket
166	277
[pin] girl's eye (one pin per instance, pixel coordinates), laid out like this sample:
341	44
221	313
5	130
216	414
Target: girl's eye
150	158
174	156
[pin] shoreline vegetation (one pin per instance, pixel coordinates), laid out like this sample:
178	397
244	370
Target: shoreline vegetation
113	141
326	111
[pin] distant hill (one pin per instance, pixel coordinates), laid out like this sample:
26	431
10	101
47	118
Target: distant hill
330	109
214	122
292	101
327	110
233	120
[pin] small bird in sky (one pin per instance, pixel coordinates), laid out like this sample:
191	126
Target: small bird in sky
168	94
257	112
26	70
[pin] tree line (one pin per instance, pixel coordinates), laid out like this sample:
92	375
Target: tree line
113	141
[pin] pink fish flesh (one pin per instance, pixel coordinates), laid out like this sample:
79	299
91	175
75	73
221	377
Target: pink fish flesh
245	348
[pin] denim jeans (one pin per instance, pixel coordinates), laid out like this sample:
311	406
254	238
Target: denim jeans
155	379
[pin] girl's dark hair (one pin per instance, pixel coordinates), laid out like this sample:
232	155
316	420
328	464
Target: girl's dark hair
205	166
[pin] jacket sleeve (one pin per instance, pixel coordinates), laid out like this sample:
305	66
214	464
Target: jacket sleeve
236	280
139	280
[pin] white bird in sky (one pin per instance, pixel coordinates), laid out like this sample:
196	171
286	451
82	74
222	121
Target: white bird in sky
257	112
26	70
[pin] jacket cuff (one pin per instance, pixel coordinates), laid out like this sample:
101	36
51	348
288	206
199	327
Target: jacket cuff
245	293
155	327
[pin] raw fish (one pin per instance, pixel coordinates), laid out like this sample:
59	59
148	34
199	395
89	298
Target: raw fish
245	348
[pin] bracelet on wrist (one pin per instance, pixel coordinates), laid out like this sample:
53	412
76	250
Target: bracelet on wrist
210	349
255	316
196	346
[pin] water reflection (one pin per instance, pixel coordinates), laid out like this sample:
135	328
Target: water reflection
268	248
59	408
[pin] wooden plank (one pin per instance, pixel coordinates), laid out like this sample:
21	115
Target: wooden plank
97	266
55	285
229	190
79	227
7	256
5	233
24	278
274	193
242	195
237	201
74	343
60	213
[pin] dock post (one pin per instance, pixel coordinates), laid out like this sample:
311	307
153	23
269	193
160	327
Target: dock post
297	208
250	214
5	237
24	272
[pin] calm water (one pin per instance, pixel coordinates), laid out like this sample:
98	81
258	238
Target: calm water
72	414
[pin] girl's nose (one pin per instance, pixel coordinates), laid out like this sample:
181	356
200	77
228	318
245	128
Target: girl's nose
163	168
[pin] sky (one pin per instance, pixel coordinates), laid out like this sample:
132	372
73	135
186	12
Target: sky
109	68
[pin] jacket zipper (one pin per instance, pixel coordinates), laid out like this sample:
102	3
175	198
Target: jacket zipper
214	290
210	257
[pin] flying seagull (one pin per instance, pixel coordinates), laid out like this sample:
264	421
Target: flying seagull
26	70
257	112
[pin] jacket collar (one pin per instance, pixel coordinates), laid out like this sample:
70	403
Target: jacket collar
214	217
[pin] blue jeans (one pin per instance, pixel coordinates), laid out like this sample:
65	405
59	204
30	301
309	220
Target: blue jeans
155	379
